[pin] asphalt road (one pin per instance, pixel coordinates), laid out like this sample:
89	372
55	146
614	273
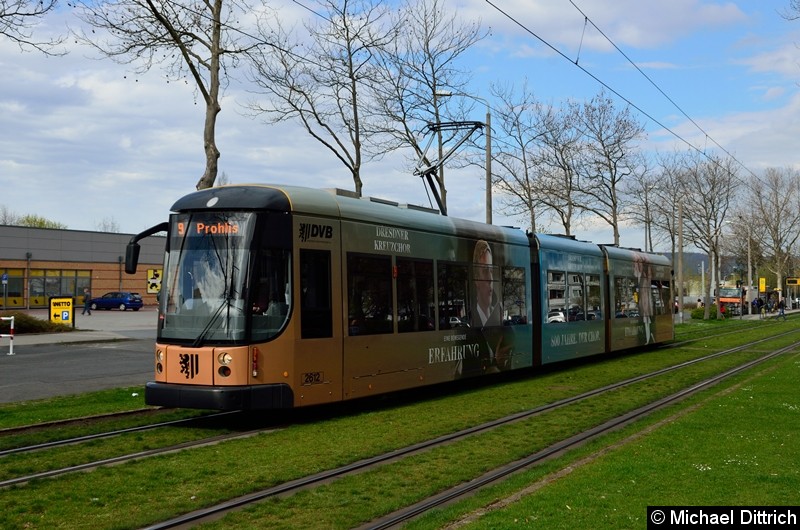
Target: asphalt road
112	349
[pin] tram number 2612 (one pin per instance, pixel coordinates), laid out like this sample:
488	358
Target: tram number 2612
313	378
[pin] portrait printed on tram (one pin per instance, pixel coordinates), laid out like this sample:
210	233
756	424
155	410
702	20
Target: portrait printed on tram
644	274
486	315
487	311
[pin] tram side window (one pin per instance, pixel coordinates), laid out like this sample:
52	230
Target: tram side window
626	297
514	296
270	292
316	319
577	302
415	304
556	301
453	295
369	289
593	297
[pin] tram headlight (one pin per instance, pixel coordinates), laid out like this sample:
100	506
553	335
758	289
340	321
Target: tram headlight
224	358
159	356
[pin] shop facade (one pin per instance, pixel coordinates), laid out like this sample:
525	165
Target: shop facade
39	263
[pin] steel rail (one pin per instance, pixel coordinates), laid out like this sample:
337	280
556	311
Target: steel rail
216	511
98	436
470	487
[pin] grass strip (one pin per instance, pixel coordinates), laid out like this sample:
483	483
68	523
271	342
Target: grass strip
23	413
375	493
737	449
133	495
208	475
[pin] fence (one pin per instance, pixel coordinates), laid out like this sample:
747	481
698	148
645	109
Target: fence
10	335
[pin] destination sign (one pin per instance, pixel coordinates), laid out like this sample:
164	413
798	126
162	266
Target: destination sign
202	228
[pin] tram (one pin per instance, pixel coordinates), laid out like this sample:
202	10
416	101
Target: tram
279	296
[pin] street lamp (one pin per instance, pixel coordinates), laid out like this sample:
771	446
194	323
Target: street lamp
488	123
749	265
680	262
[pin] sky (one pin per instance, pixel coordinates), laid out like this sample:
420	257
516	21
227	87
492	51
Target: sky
87	142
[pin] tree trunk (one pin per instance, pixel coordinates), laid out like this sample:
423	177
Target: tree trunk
210	146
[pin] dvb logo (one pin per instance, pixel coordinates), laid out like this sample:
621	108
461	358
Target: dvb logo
313	231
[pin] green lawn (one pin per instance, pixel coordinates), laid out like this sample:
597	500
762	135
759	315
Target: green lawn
741	447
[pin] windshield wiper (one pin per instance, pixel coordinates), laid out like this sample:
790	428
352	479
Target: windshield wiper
206	330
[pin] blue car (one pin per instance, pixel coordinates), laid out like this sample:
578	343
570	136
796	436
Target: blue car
118	300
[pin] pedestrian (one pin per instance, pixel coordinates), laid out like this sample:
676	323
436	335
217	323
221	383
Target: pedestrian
782	309
87	302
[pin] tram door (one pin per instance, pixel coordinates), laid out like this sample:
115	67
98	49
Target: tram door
318	352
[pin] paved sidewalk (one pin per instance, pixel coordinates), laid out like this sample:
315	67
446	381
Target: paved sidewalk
109	349
99	326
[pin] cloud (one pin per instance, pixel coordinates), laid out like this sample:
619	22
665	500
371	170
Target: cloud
758	139
629	23
782	60
772	93
657	65
85	140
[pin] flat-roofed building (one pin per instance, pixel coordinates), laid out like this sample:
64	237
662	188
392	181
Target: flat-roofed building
39	263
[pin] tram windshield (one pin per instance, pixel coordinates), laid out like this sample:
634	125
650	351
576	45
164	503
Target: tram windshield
207	280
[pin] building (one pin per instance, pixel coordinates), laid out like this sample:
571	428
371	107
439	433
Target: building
39	263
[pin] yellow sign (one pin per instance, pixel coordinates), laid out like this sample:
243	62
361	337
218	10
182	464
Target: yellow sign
762	285
153	281
62	310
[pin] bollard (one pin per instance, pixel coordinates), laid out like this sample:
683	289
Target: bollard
10	335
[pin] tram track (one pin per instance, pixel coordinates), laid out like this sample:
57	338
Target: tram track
88	466
459	492
219	510
241	435
86	420
83	420
682	339
99	435
313	480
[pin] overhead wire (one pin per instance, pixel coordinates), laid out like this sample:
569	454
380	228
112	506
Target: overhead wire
655	85
616	92
575	62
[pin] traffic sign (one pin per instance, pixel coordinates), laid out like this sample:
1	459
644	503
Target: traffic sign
61	310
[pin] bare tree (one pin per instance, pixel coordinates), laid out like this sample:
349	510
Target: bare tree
192	39
610	137
665	184
516	159
7	217
640	195
323	84
746	225
18	18
709	190
108	224
774	201
793	11
223	180
657	200
558	161
420	76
